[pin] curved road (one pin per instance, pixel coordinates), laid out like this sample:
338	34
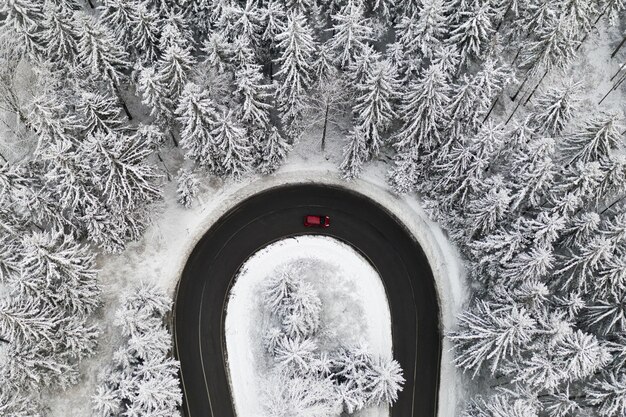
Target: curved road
202	292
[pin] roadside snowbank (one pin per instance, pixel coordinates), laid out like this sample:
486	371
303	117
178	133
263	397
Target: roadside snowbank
354	310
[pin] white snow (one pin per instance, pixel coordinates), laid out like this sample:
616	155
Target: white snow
354	309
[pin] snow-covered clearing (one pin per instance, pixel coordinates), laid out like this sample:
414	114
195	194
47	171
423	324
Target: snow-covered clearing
354	310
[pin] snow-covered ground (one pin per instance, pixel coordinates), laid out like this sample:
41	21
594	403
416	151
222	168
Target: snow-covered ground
354	310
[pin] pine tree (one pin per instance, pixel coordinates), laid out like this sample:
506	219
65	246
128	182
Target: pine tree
142	380
98	51
352	32
197	114
578	16
552	48
187	187
533	172
233	149
124	178
430	28
473	30
298	48
487	336
474	95
58	33
254	95
99	113
423	112
488	207
247	23
607	393
598	138
173	68
556	107
274	20
154	94
374	105
355	154
22	19
275	149
386	382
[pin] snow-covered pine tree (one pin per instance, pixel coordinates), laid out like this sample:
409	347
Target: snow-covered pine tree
122	175
98	112
578	15
552	47
489	334
459	175
474	95
488	207
351	32
155	95
233	150
373	110
254	95
197	114
246	23
297	47
21	23
501	405
294	355
533	172
360	65
218	52
606	393
187	187
60	272
555	107
386	382
273	21
174	66
423	112
474	27
142	379
57	33
355	154
98	50
430	28
596	140
274	151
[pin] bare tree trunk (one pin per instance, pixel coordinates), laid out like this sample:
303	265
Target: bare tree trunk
491	109
519	103
618	47
174	141
612	204
2	339
618	71
167	171
324	129
519	51
535	89
119	96
508	8
6	161
514	96
90	4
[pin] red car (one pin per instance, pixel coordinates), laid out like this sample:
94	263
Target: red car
316	221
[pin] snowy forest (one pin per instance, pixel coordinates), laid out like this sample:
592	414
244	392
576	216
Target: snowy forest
471	102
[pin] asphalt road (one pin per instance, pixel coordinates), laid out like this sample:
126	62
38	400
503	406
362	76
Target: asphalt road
202	292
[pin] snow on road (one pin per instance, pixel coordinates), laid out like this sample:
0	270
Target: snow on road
354	309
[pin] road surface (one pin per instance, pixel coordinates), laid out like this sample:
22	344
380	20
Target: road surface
202	292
